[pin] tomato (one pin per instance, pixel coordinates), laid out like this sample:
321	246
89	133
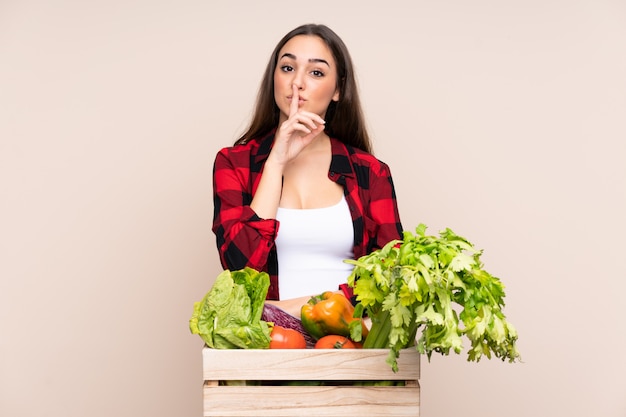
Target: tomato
333	341
283	338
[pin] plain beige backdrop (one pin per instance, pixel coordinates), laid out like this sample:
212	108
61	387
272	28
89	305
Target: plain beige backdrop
504	120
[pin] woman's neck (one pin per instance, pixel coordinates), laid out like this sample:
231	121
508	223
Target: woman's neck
320	143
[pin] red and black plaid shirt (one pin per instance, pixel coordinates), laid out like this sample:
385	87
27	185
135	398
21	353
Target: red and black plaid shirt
245	239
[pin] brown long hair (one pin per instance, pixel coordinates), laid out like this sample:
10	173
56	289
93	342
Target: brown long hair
344	118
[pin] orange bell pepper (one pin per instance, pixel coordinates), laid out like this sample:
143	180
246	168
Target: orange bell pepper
329	313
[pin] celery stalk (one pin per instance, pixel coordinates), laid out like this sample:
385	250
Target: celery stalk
414	283
378	335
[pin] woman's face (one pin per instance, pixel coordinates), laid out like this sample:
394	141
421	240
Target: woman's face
305	61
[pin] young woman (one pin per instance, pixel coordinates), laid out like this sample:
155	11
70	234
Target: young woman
300	191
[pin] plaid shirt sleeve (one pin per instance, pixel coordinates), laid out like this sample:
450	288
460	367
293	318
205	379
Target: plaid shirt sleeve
243	238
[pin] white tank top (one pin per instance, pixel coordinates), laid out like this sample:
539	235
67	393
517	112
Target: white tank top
311	245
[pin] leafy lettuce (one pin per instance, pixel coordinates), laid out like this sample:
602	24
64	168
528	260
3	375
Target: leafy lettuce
229	315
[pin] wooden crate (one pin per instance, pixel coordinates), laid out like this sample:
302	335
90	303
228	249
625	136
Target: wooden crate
339	368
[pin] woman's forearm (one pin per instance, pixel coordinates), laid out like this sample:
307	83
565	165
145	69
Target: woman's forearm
267	196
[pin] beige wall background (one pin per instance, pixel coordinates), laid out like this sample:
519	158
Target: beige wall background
504	120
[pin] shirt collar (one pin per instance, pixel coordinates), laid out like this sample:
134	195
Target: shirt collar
340	162
265	146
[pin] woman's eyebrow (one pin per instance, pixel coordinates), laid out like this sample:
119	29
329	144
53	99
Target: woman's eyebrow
292	56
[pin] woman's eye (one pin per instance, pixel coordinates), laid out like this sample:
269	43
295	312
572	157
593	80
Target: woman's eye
317	73
286	68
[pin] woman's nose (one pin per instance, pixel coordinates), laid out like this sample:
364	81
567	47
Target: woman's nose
298	81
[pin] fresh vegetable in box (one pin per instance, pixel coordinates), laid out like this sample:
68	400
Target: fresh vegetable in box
284	338
229	316
418	284
329	313
333	341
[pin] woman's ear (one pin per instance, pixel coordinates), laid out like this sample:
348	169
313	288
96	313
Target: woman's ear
337	94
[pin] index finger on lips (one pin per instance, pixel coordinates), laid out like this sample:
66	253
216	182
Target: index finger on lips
295	98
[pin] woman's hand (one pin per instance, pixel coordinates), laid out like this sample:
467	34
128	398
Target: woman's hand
295	133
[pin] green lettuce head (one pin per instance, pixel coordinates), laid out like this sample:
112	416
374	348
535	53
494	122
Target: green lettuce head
229	315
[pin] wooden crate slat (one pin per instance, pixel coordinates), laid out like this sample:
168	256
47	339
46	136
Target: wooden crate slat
307	364
322	401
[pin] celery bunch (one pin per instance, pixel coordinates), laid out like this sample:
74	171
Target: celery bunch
417	284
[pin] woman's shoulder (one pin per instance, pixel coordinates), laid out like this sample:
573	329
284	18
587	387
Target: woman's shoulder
246	147
254	146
